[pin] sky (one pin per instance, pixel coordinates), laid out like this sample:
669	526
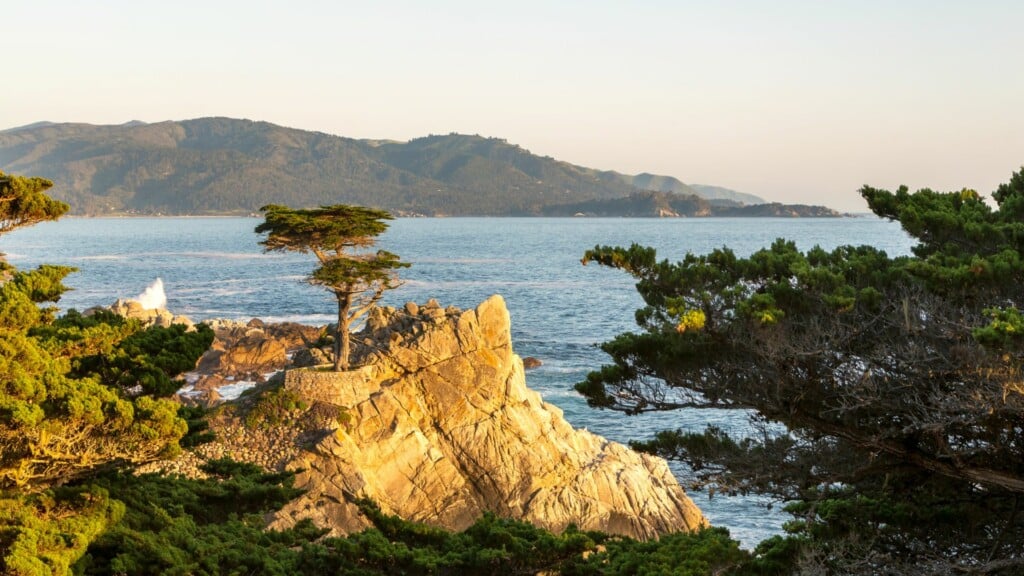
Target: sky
795	101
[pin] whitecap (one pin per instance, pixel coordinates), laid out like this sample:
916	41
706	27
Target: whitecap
233	391
153	297
102	257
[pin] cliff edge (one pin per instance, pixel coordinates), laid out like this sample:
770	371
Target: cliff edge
437	426
441	427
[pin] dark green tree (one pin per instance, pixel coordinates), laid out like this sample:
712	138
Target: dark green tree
887	391
60	423
340	237
23	202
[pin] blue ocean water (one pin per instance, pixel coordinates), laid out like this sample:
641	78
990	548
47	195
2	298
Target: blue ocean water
561	310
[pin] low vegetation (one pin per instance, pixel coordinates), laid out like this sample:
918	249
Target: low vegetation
273	406
215	526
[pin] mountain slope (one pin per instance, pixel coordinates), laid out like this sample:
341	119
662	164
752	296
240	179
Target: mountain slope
224	165
719	193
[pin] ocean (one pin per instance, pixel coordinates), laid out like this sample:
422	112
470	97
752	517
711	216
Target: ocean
561	311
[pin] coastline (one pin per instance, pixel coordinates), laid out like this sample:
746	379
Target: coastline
121	216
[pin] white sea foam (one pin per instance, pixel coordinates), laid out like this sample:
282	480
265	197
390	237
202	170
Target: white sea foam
153	297
308	319
103	257
226	255
230	291
233	391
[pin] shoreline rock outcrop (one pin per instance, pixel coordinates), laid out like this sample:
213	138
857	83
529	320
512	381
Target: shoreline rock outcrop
441	427
241	353
438	426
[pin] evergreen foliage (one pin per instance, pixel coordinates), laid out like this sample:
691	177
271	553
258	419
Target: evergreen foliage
56	425
215	526
121	354
60	423
339	236
46	533
886	391
23	202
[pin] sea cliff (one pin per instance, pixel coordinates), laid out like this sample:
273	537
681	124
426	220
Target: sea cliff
438	426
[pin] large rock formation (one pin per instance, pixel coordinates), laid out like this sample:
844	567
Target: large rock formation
441	427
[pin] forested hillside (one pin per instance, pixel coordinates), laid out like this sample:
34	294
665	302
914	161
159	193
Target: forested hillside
223	165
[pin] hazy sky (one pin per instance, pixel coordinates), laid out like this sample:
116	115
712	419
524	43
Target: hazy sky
798	101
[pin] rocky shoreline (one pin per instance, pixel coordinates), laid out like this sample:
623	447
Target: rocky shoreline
437	426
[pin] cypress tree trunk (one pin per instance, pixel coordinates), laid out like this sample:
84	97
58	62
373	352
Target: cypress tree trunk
341	340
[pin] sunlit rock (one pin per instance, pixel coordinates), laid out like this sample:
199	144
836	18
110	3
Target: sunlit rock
442	428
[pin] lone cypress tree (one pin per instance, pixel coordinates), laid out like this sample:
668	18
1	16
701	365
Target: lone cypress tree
340	237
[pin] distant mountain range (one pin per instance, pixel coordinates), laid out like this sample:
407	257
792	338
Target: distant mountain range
673	205
229	166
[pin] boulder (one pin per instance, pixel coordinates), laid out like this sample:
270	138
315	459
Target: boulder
531	362
436	425
148	316
310	357
253	353
251	350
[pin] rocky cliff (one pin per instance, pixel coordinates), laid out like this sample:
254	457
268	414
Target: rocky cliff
443	428
438	426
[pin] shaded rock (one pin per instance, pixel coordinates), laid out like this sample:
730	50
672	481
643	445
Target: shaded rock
256	354
292	335
211	399
310	357
250	351
251	354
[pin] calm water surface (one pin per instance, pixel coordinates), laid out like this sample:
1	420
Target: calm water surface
561	310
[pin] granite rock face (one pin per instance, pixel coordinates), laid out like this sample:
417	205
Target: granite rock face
439	427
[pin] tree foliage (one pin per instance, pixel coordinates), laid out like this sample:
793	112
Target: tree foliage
23	202
61	421
77	394
340	237
215	526
123	355
896	381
